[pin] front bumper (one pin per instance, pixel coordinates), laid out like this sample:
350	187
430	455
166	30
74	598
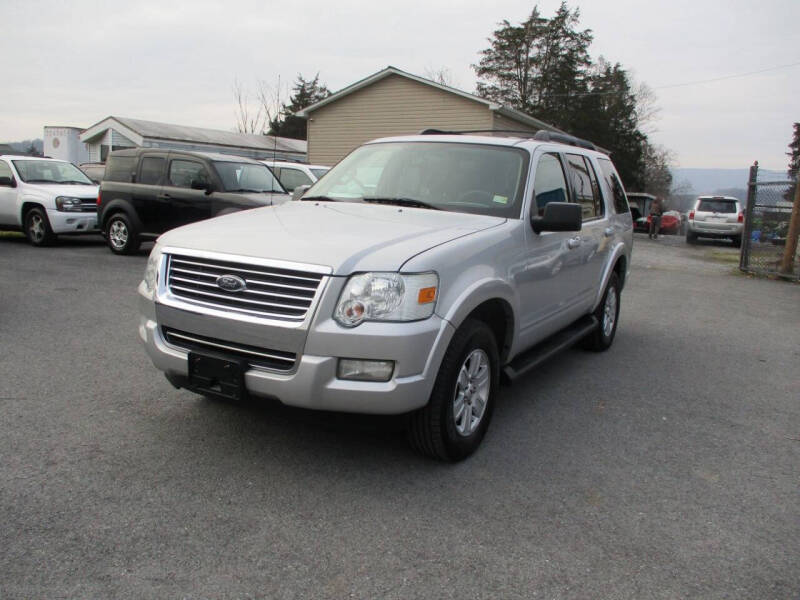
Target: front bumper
417	349
72	222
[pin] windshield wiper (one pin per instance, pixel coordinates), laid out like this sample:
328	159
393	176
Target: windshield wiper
320	198
72	182
40	181
247	190
412	202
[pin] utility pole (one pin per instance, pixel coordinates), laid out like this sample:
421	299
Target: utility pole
787	264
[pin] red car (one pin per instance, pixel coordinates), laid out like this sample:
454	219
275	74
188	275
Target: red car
670	223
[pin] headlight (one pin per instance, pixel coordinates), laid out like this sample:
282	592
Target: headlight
150	280
68	204
386	297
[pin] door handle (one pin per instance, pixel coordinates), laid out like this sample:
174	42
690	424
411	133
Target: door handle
573	243
165	197
608	231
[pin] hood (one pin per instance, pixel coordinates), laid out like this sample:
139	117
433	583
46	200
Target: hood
255	198
344	236
54	189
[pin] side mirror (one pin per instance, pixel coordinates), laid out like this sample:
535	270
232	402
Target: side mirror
298	192
199	184
8	182
558	216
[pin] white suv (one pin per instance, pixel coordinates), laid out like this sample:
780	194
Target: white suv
45	197
715	217
292	175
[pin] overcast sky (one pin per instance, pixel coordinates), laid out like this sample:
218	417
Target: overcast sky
76	62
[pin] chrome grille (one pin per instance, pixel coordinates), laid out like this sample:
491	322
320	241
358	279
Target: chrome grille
272	292
254	356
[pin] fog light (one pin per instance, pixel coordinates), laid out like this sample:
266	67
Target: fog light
356	369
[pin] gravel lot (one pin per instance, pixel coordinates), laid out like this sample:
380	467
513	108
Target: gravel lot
668	467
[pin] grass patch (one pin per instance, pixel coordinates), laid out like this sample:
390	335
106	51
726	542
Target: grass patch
723	257
11	234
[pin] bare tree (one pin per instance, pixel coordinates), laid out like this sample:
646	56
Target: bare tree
254	114
647	109
442	76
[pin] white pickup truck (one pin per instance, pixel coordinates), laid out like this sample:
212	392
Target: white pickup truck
44	197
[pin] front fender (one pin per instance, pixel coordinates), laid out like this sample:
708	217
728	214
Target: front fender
459	307
118	205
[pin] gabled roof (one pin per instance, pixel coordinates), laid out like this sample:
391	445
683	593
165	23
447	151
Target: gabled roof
375	77
137	129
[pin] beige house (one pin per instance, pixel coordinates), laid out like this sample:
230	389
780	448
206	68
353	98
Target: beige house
393	102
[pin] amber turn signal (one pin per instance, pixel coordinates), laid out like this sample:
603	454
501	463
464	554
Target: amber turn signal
426	295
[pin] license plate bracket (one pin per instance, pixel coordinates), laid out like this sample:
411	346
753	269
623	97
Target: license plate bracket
217	376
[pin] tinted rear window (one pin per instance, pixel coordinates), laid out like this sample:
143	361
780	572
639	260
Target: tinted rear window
717	206
120	168
610	174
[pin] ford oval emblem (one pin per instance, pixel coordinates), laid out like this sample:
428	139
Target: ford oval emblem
231	283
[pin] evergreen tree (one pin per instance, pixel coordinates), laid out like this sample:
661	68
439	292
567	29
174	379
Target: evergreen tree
794	153
538	66
304	93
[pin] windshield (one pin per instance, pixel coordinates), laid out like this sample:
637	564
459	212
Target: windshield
247	177
458	177
50	171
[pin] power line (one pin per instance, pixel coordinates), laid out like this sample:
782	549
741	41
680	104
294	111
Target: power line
748	74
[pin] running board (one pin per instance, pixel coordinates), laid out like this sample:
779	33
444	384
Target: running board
529	360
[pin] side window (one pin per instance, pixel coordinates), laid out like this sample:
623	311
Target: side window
584	184
150	170
183	172
549	185
610	175
120	168
292	178
276	171
5	170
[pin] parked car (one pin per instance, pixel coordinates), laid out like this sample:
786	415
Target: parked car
93	170
149	191
293	175
45	198
715	217
471	257
670	222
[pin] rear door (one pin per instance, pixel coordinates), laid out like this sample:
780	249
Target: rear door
8	197
595	232
146	191
184	204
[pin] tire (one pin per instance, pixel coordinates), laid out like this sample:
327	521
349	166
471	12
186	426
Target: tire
37	228
607	315
691	238
737	241
436	430
121	236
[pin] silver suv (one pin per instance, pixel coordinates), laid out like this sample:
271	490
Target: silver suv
407	280
715	217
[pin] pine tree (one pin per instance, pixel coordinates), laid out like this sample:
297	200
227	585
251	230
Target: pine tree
304	93
794	153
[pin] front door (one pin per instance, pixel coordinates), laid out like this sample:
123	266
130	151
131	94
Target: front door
548	280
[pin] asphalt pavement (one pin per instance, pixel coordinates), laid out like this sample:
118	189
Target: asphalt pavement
667	467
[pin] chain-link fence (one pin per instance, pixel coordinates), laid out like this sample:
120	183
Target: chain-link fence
766	226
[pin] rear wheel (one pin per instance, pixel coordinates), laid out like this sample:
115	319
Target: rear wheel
121	236
607	315
691	238
37	228
451	426
737	241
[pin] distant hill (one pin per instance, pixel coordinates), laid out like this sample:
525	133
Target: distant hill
721	181
25	144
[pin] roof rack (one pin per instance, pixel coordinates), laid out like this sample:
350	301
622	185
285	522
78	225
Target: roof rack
563	138
541	136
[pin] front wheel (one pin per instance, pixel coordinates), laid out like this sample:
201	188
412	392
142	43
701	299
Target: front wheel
607	315
451	426
121	236
37	228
